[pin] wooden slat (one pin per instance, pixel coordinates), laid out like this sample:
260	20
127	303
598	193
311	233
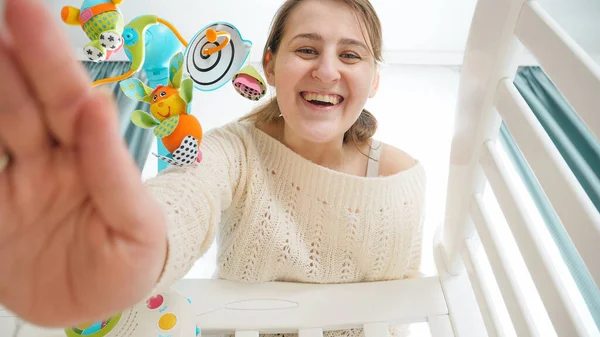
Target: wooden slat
560	308
440	326
282	307
484	299
317	332
576	211
246	334
507	281
27	330
376	330
7	326
463	309
571	69
489	57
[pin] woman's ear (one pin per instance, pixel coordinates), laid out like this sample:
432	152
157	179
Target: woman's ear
375	84
270	68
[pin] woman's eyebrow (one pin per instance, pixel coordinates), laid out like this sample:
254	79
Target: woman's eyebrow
318	37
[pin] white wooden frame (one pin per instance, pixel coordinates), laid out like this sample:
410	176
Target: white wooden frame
486	98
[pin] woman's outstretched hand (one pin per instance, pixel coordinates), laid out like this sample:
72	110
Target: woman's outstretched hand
80	237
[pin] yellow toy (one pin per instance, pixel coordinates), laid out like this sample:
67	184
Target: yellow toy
102	23
180	132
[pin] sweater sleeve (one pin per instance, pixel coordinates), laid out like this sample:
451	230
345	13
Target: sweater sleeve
414	264
193	198
416	251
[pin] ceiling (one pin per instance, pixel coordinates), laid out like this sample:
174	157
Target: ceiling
425	31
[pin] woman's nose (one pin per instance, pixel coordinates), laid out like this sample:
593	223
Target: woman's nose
326	70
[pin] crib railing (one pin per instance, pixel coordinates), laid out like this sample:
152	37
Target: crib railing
488	97
225	307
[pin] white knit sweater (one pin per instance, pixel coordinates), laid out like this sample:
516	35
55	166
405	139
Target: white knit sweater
280	217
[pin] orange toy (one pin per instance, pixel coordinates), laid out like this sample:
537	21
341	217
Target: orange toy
188	125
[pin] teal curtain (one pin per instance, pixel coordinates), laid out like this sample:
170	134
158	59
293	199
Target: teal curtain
580	150
139	141
577	145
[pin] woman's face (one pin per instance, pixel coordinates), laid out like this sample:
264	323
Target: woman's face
323	71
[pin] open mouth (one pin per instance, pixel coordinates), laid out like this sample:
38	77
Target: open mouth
321	100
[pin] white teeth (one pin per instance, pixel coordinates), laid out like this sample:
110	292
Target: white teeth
310	96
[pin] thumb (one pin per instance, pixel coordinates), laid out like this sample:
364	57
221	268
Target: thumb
109	171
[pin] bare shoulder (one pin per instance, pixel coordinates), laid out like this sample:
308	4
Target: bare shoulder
394	160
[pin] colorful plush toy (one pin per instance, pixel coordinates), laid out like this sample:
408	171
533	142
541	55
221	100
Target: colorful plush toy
150	43
102	23
180	132
168	313
248	83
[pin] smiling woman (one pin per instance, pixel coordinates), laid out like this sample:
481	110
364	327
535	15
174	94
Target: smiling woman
297	191
305	191
322	56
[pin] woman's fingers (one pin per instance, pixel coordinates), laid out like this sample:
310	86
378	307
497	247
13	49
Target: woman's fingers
43	54
109	171
22	130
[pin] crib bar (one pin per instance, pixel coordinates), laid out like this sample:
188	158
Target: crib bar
463	310
575	209
316	332
552	292
440	326
507	280
571	69
246	334
489	56
484	299
376	330
292	306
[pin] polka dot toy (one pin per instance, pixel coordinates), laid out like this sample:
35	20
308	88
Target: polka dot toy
187	153
248	83
167	127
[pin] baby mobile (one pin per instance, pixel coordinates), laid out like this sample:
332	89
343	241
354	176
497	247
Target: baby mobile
216	55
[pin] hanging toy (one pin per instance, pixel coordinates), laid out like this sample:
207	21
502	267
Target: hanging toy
215	54
150	43
102	22
248	83
179	131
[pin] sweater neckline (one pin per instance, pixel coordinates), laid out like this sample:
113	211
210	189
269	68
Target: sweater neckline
288	155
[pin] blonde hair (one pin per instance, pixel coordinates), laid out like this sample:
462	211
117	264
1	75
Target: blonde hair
365	126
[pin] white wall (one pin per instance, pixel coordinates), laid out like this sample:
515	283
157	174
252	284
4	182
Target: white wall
424	28
415	108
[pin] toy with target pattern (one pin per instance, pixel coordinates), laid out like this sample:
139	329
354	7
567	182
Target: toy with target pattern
212	63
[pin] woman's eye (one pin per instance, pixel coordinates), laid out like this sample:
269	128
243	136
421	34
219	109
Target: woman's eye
307	51
351	56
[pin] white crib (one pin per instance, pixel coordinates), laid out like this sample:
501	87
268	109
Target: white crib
459	300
